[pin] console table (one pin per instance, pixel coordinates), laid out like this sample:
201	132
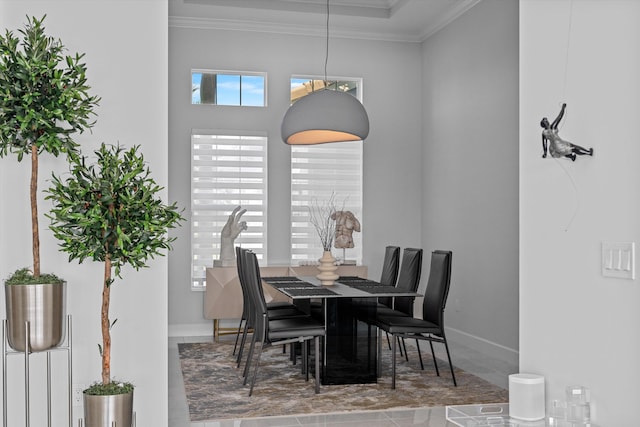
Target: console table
223	295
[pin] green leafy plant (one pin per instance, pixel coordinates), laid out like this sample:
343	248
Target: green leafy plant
109	212
24	276
44	100
114	387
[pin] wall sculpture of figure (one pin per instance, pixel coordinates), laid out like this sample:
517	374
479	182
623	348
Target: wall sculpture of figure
558	147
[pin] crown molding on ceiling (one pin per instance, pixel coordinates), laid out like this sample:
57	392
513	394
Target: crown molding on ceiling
290	29
448	18
206	23
366	8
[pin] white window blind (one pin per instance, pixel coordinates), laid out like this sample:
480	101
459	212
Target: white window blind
317	172
226	171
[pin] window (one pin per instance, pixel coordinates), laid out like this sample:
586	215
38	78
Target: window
320	171
226	171
302	86
228	88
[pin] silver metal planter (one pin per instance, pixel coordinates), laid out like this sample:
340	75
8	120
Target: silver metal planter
44	306
108	411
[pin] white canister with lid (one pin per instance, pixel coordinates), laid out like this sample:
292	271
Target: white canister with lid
526	397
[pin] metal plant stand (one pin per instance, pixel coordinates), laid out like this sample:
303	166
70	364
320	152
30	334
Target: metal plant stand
6	352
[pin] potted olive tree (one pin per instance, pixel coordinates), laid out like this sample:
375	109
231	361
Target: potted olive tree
44	101
109	211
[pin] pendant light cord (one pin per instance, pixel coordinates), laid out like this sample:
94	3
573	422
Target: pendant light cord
326	56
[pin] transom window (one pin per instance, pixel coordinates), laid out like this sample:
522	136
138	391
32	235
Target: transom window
226	171
228	88
302	86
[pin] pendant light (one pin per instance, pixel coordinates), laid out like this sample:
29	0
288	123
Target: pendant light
325	116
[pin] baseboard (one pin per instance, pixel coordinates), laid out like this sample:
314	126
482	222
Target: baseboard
484	346
191	329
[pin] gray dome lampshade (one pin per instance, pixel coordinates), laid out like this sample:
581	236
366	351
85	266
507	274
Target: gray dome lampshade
325	116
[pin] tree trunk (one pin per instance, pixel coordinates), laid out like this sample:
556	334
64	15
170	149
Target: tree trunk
34	211
208	88
106	324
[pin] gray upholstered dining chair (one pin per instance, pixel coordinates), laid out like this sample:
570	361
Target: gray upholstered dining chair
277	310
269	332
389	274
431	326
408	280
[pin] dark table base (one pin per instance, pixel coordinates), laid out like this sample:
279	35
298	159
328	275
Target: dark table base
349	353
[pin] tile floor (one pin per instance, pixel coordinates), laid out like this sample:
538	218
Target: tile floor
494	371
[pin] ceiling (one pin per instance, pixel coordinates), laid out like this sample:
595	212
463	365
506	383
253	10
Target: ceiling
391	20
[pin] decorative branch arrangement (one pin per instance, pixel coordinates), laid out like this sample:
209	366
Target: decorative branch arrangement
322	216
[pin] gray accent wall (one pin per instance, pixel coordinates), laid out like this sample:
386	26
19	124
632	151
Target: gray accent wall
470	171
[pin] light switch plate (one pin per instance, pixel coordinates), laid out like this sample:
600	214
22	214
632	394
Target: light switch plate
618	260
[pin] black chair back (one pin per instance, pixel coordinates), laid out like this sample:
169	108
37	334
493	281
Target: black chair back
435	297
256	294
241	279
389	274
390	265
409	279
247	310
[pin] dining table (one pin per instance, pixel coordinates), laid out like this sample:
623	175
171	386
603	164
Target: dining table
347	308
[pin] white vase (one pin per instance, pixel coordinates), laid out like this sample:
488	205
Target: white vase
327	269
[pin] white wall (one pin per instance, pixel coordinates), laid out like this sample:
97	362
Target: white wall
126	54
470	171
576	326
392	152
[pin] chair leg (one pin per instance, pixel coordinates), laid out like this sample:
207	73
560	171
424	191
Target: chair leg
419	354
305	359
247	365
404	346
242	343
433	354
237	336
393	362
255	370
379	355
388	341
446	346
316	344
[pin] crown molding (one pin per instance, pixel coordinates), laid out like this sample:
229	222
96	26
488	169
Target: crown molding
290	29
204	23
368	8
448	18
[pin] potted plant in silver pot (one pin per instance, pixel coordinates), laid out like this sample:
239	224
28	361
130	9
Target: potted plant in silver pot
44	101
109	212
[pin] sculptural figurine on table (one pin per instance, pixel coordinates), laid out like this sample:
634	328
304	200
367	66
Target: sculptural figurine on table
558	147
230	231
346	224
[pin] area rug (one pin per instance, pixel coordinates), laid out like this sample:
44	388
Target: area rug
214	387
